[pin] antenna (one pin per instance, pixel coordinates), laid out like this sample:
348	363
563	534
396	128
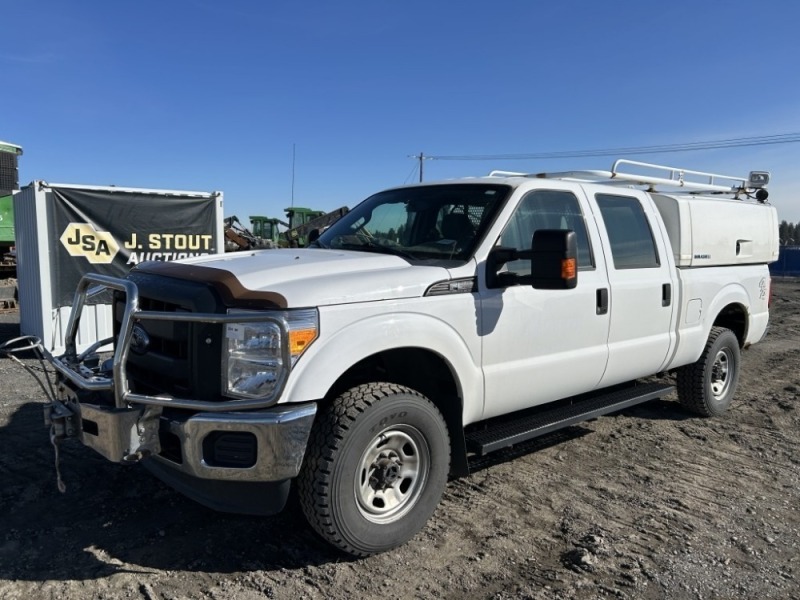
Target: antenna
293	157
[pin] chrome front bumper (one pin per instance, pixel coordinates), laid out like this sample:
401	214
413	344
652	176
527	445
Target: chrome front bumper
271	442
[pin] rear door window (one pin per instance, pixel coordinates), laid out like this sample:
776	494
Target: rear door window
629	233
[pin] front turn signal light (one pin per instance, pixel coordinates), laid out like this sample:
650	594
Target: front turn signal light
299	340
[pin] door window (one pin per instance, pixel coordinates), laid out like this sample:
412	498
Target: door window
632	244
546	209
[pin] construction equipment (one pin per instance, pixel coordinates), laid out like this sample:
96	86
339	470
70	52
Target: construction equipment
9	183
266	228
238	237
265	232
302	221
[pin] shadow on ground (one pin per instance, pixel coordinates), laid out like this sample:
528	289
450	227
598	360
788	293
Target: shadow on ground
8	331
116	518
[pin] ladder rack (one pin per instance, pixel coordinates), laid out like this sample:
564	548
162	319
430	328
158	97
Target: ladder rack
653	175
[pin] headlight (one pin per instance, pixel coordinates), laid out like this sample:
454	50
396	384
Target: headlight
261	353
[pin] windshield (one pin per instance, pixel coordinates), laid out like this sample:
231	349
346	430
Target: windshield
438	222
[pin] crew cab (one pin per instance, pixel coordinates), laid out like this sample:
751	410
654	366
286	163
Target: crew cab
432	323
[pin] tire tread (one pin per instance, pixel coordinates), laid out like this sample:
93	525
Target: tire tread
691	379
333	422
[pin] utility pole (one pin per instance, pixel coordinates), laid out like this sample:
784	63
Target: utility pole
420	157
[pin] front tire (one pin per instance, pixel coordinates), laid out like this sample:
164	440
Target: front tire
708	386
375	468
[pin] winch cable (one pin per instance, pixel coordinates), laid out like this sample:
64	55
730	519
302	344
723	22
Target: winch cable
54	441
34	344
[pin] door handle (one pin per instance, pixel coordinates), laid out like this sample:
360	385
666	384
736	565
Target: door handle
602	301
666	294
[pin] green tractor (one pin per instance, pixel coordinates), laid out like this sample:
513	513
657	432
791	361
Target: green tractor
9	183
266	228
301	222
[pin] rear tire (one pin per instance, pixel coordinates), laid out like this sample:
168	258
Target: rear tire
375	468
707	387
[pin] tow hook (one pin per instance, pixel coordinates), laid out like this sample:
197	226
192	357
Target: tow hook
62	421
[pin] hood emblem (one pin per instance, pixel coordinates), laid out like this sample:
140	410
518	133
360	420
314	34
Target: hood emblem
140	341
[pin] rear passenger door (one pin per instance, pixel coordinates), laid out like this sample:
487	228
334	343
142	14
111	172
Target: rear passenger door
641	297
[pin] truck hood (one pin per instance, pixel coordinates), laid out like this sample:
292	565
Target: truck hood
318	277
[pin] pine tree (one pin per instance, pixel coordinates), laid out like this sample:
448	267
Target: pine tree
783	232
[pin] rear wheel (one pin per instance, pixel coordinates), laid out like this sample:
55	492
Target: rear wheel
375	468
707	386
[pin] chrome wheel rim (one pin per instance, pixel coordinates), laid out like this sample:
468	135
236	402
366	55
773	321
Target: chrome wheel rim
391	474
721	373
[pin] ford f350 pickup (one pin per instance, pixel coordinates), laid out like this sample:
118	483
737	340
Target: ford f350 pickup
432	323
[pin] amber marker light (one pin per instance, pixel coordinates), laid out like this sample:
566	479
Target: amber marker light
300	339
569	268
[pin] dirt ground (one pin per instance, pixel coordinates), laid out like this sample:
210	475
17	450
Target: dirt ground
648	503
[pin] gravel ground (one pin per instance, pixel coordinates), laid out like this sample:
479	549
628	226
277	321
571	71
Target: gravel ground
647	503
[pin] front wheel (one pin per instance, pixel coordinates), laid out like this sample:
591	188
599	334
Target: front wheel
707	386
375	468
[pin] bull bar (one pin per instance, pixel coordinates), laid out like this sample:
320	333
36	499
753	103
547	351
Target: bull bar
130	430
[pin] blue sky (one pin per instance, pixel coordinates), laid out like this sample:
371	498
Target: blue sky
210	95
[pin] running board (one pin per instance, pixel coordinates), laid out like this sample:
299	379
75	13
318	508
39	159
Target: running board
508	430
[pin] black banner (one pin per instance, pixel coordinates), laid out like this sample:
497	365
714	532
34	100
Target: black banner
109	232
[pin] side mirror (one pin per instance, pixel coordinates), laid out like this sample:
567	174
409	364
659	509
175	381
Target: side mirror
313	235
554	259
499	256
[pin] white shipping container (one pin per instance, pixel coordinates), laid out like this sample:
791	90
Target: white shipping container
37	248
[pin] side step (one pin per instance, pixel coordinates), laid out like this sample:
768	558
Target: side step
508	430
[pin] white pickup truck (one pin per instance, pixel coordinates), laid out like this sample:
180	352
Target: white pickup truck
432	323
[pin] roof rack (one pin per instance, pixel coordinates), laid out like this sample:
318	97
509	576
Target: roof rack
654	175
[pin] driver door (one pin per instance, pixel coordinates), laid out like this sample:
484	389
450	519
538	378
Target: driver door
543	345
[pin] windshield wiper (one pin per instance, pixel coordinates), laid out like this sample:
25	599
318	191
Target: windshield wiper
372	246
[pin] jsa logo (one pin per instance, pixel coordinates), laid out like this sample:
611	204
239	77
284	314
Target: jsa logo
82	239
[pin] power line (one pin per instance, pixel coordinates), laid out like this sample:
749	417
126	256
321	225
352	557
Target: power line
762	140
411	174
